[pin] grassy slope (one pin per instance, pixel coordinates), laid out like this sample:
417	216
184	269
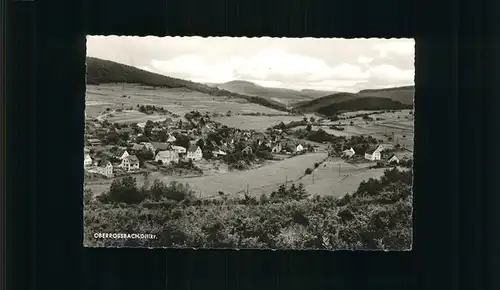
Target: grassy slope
103	71
401	94
249	88
363	103
392	98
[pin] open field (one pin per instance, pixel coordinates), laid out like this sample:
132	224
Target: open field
336	177
258	123
260	180
177	100
402	127
131	116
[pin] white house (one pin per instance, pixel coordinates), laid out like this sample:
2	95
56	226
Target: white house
171	138
349	152
122	154
299	148
148	146
393	159
219	152
87	161
276	148
194	153
105	168
179	149
247	150
400	156
383	147
167	156
129	163
373	155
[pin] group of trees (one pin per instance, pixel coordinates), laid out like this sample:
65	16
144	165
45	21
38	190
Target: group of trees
126	191
377	216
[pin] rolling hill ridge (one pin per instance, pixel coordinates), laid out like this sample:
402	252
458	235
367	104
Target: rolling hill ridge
285	96
101	71
380	99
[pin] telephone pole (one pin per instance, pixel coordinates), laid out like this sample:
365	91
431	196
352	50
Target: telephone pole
313	176
247	188
339	169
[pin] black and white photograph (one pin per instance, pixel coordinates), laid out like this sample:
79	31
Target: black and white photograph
249	143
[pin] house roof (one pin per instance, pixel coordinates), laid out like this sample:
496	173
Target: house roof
160	145
120	151
402	155
178	148
133	159
103	163
166	154
94	140
137	147
192	148
370	151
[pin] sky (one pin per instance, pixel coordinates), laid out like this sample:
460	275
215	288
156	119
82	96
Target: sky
333	64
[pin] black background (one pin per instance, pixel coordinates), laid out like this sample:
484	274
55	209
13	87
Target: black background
455	146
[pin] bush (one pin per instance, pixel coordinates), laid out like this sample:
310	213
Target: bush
308	171
377	216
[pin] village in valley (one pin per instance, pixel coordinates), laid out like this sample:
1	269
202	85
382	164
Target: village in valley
249	143
197	149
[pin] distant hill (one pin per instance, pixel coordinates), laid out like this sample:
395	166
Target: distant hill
363	103
285	96
384	99
101	71
316	104
403	95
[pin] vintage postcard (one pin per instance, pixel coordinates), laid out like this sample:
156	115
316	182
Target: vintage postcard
249	143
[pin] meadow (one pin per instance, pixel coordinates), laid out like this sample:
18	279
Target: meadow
259	180
336	177
258	123
177	100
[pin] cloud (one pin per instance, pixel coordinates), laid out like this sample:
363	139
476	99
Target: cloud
391	73
322	64
266	65
401	47
364	60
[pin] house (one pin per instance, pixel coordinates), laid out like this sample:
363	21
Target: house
137	147
124	131
94	142
130	162
179	149
247	150
276	148
194	153
400	156
383	147
167	156
87	161
219	152
148	146
105	168
171	138
348	152
294	147
373	155
159	146
121	154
